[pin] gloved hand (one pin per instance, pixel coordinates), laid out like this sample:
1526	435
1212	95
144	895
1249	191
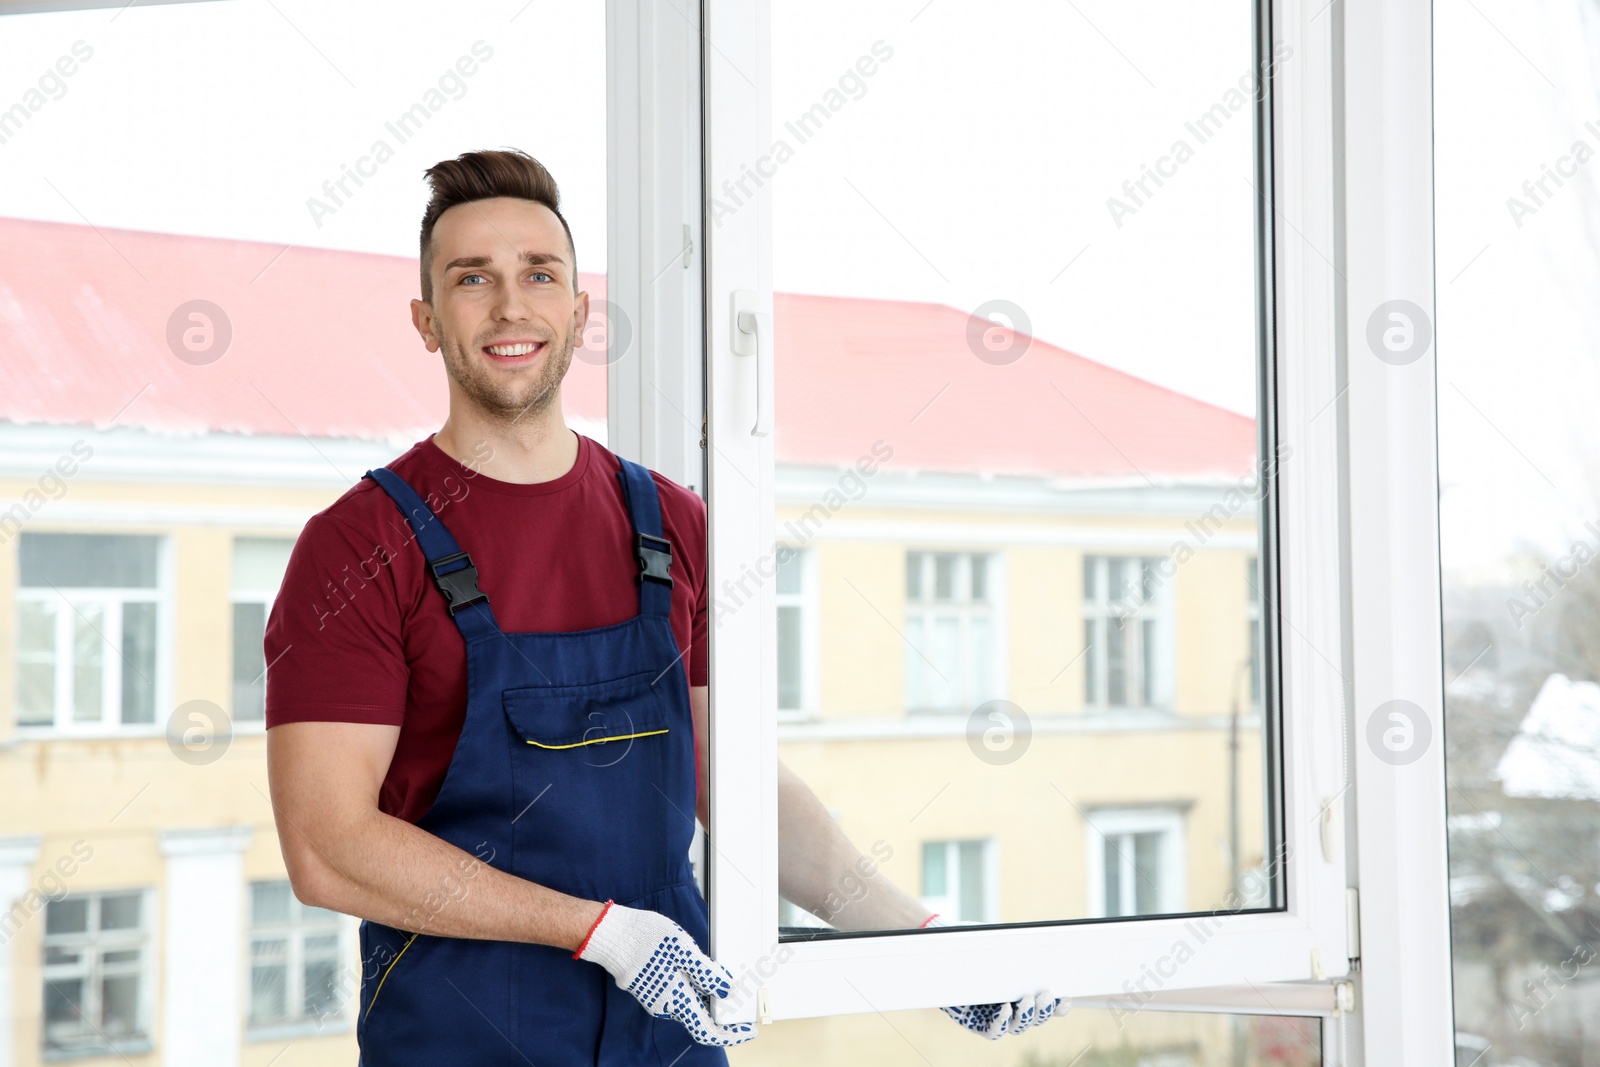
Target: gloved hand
657	961
995	1021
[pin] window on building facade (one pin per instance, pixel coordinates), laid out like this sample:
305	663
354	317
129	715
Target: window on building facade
1135	862
959	880
1127	621
96	948
949	631
88	626
258	565
294	959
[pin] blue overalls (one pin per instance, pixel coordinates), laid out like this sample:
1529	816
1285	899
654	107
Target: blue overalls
575	769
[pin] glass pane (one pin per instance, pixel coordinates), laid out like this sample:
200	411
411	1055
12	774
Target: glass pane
321	994
88	662
1046	355
1111	856
36	662
269	991
789	568
121	911
87	561
138	663
1147	873
972	888
249	662
63	1002
934	883
119	1006
944	576
269	902
69	916
788	657
1518	532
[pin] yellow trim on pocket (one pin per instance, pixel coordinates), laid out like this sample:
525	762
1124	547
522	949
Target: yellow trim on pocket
385	978
601	741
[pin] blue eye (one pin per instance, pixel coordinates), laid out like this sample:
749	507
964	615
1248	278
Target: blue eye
464	277
543	274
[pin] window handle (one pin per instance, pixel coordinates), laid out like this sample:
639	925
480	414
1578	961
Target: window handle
752	337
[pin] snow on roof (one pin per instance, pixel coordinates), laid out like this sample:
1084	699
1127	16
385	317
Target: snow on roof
1556	752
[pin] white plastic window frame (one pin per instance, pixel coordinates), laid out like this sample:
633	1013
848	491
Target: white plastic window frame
973	965
1351	213
69	604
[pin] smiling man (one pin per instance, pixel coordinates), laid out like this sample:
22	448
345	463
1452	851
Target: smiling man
489	744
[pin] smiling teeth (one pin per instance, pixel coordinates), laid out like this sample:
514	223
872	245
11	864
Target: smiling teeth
512	350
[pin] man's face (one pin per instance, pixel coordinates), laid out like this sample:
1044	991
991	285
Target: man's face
504	313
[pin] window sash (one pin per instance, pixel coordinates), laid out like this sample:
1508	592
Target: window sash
1306	936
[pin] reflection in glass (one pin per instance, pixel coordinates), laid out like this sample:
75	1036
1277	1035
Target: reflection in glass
1028	619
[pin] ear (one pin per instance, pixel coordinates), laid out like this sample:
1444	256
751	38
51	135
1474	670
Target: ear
422	319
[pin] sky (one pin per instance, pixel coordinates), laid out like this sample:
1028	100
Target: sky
979	160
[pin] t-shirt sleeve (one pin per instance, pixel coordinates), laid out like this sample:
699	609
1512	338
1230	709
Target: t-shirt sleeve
333	639
698	641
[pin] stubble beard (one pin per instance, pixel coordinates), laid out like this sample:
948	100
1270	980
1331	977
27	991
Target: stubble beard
516	400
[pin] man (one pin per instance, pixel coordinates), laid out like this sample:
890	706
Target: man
487	744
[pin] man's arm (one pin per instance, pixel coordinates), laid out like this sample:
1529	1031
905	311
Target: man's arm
344	854
818	866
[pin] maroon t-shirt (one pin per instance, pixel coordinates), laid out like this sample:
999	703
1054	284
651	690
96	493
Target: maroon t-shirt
359	632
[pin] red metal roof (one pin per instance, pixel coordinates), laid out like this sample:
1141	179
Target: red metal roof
323	346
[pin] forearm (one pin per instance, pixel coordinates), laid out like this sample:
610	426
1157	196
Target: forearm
387	870
821	870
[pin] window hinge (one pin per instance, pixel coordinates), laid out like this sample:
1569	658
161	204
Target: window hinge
1352	920
1344	997
688	246
763	1007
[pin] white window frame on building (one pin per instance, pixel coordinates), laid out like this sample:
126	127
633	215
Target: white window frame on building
251	590
98	614
93	946
1139	607
1350	560
303	923
1111	835
795	590
971	669
954	858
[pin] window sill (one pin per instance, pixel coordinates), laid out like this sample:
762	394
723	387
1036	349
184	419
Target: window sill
329	1027
136	1047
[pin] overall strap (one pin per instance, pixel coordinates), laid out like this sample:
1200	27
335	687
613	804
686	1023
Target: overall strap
451	568
652	551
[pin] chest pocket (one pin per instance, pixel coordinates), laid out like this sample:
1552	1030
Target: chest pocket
584	717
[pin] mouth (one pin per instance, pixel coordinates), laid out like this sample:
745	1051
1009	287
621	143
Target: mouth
514	353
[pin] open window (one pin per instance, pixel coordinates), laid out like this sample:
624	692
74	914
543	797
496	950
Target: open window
1041	360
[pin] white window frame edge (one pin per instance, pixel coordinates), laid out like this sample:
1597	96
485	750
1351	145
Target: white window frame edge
654	243
888	972
1386	164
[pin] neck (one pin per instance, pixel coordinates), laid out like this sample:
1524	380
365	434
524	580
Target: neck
530	450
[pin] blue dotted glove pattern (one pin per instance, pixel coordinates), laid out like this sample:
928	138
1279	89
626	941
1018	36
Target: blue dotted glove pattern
657	961
995	1021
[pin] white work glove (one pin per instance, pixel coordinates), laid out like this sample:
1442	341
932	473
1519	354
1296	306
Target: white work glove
995	1021
657	961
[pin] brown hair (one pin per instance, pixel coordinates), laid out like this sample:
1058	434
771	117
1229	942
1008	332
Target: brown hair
480	176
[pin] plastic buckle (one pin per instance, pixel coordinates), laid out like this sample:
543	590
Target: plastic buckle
460	586
655	558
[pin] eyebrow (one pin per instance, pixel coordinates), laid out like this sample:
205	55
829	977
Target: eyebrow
531	259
